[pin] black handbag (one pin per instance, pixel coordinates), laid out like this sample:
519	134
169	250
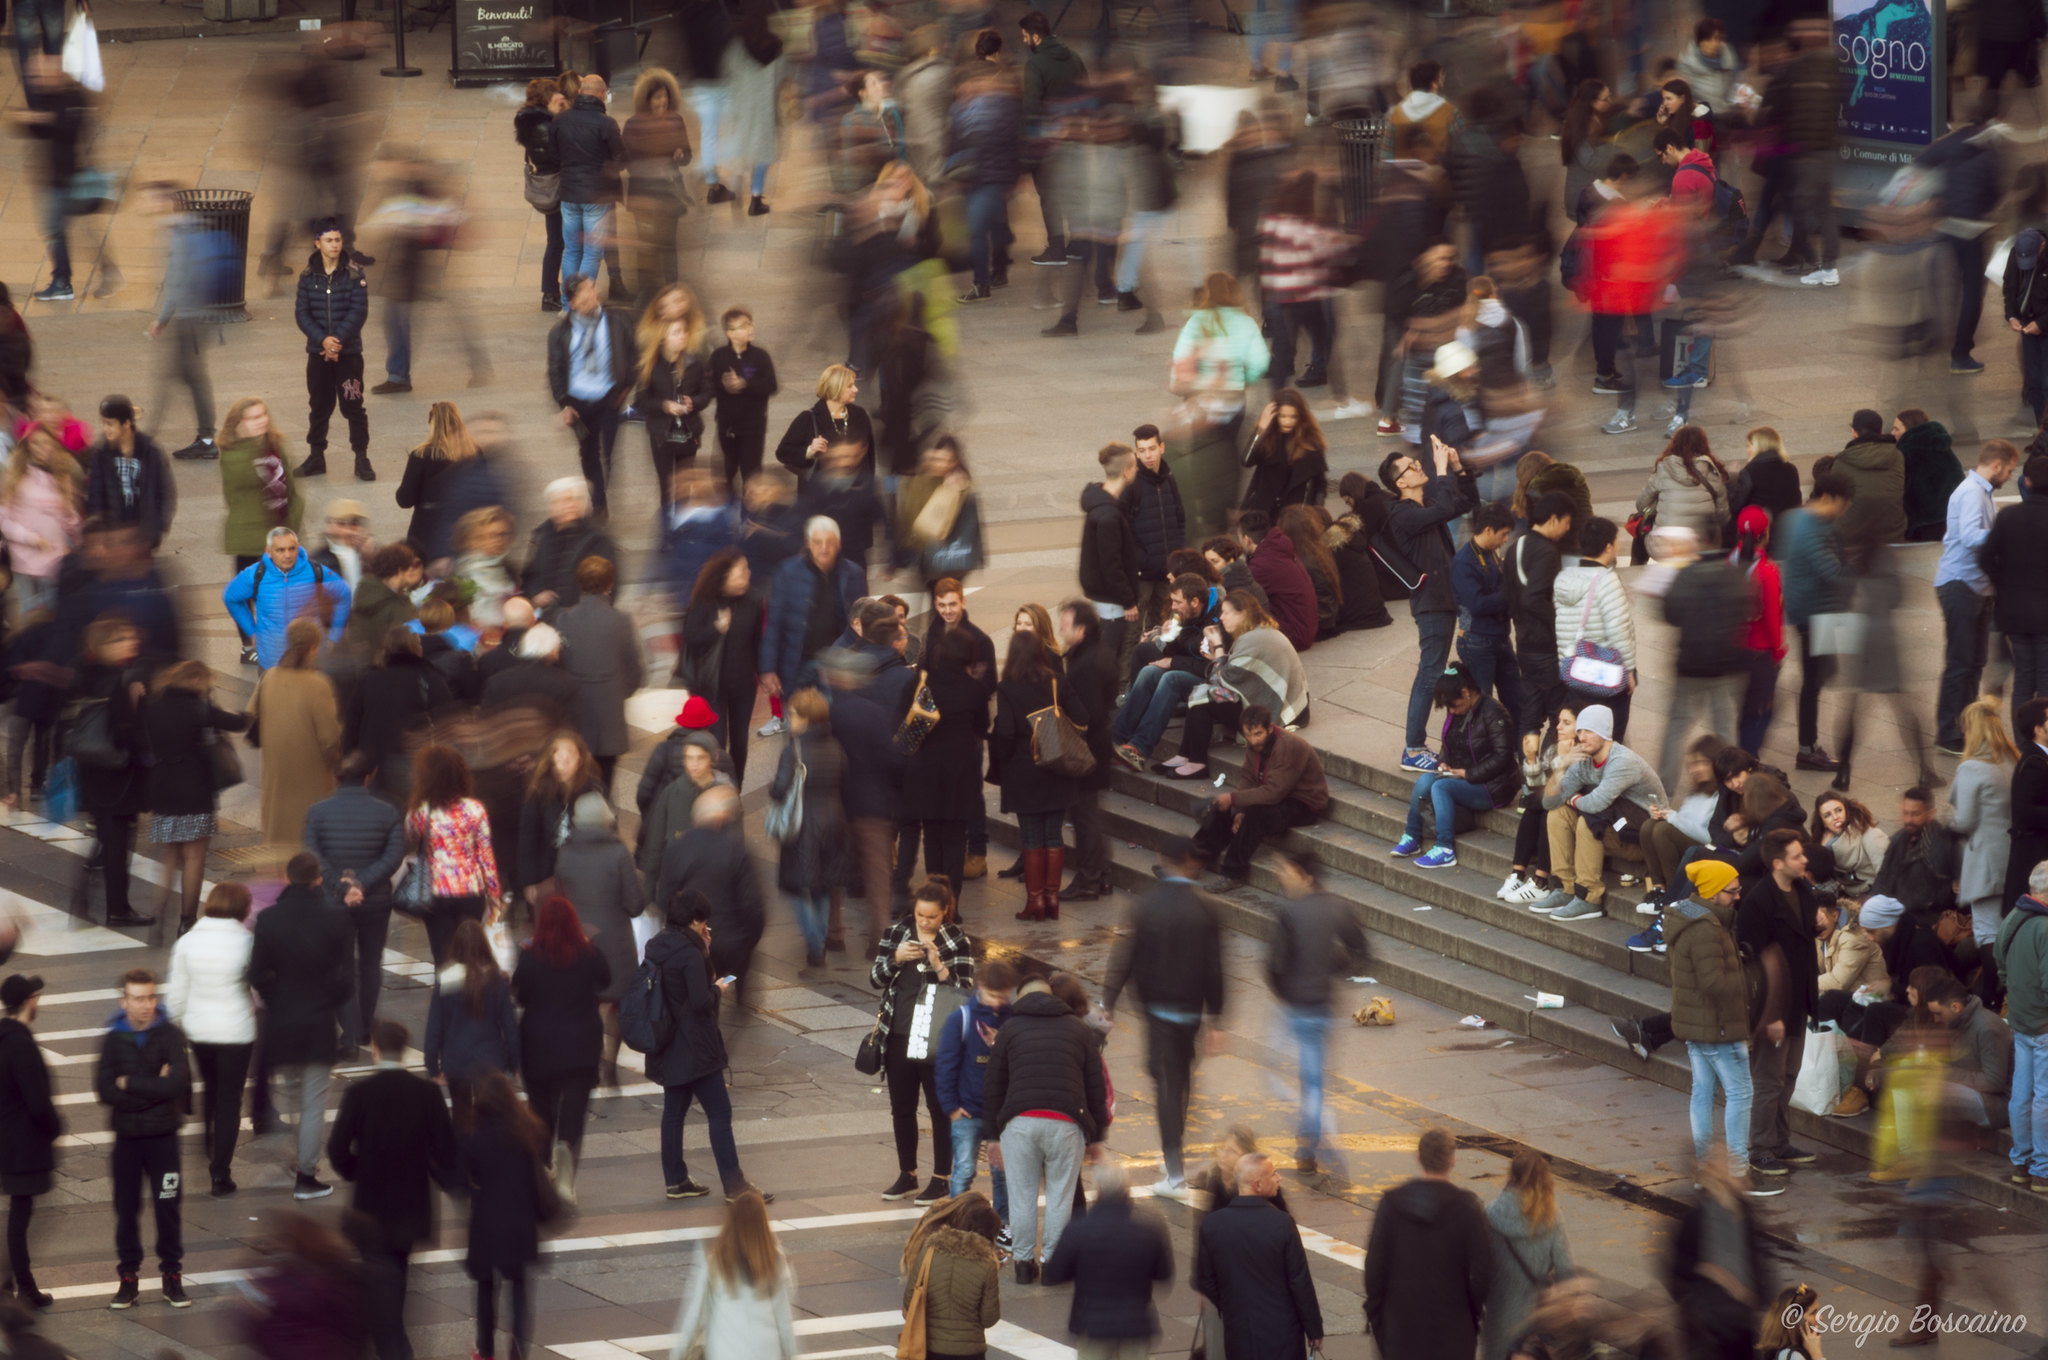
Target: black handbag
867	1059
221	758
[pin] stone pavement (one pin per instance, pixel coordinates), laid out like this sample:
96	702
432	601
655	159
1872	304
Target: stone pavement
1036	410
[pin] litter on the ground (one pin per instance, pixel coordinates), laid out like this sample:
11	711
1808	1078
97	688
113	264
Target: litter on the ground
1476	1022
1365	979
1546	1001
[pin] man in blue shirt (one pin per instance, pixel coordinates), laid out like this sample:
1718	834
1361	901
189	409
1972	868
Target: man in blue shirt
590	375
1964	591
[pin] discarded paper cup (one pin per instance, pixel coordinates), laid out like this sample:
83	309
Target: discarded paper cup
1549	1001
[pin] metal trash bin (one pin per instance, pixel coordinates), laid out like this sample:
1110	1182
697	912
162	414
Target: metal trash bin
225	211
1359	143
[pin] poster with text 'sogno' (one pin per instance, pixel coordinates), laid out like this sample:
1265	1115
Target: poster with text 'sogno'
1887	54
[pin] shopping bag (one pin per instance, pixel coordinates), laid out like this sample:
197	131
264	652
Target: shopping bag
503	947
645	928
1838	634
1826	1070
82	55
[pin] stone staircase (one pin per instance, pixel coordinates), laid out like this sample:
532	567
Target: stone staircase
1443	936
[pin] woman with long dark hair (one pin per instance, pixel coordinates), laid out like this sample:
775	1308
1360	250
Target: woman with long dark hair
565	772
1582	141
942	778
1688	489
1288	457
472	1030
1303	526
926	949
814	862
544	99
558	982
721	655
182	724
391	706
447	829
501	1161
1037	796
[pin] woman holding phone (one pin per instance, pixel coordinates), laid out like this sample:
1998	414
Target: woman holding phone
926	949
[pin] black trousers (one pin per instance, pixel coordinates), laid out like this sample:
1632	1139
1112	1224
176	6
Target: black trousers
1170	1058
148	1165
444	914
1097	259
487	1311
1542	688
372	928
1200	729
328	382
562	1100
116	834
385	1271
906	1079
945	851
669	457
20	1209
741	443
1260	821
1814	674
223	1070
599	427
1532	838
1969	258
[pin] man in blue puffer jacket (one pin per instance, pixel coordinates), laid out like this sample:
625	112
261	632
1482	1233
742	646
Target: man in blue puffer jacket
963	1063
284	583
802	621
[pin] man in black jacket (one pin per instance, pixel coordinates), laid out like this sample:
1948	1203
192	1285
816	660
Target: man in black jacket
1315	939
587	146
2015	558
1921	863
127	480
1115	1257
1166	673
29	1125
1532	567
1091	671
1774	924
1160	524
1172	956
1250	1263
1425	503
1045	1098
300	967
591	358
1109	549
1429	1261
359	839
393	1139
537	680
1709	604
333	304
143	1078
711	857
519	617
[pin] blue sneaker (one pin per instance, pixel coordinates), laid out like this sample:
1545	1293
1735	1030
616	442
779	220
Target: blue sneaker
1420	759
1406	846
1650	941
1679	380
1439	857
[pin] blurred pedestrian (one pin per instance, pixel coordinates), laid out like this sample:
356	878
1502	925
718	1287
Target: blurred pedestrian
558	983
1250	1264
590	153
58	115
360	839
501	1164
115	793
391	707
657	147
1316	940
1530	1252
191	269
713	857
595	872
737	1306
590	376
722	649
751	74
182	726
29	1128
300	967
307	1301
472	1029
383	596
813	862
256	482
543	178
208	994
41	489
447	831
393	1139
942	779
294	716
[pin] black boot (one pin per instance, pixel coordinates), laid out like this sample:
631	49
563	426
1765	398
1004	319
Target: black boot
551	302
314	466
1014	871
364	472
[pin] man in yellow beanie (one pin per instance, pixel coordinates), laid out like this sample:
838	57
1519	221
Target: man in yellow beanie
1710	1012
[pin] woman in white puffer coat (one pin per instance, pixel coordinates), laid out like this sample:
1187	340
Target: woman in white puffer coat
1593	606
207	995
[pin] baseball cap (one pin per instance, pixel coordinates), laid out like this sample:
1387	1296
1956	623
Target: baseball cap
19	987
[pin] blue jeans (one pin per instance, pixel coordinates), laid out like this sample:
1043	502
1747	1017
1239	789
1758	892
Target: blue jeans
709	1091
2029	665
1966	634
2029	1107
988	229
1311	1029
812	914
710	101
38	27
1433	632
1141	229
583	231
1725	1066
1273	22
968	1133
1492	660
1447	796
1148	708
1694	369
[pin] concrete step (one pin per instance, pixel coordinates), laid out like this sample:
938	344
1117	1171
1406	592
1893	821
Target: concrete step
1457	958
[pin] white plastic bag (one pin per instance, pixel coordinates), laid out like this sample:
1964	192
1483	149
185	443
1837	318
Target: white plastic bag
82	55
1994	268
1826	1069
645	928
503	947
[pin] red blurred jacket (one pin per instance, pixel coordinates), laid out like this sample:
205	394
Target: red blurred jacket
1634	250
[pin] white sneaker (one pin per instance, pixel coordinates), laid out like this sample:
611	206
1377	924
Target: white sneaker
1676	424
1350	410
1166	1188
1510	885
1821	278
1529	891
1648	908
774	727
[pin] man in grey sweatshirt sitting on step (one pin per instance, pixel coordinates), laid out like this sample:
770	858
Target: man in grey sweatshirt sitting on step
1598	800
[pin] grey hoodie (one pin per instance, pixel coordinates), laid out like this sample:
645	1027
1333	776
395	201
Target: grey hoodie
1524	1262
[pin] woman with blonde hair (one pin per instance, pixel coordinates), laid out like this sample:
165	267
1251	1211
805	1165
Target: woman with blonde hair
482	543
256	483
1253	661
1982	795
445	477
674	389
1033	618
1529	1251
1769	478
832	418
296	716
40	491
182	726
657	148
738	1302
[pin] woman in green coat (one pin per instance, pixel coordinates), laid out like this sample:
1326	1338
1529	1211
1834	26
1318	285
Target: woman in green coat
255	481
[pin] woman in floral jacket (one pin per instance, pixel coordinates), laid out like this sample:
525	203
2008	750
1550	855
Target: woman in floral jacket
447	829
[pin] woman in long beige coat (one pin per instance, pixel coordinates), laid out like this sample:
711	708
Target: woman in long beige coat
299	724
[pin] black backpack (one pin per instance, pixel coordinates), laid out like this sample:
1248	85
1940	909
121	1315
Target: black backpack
645	1023
1711	602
